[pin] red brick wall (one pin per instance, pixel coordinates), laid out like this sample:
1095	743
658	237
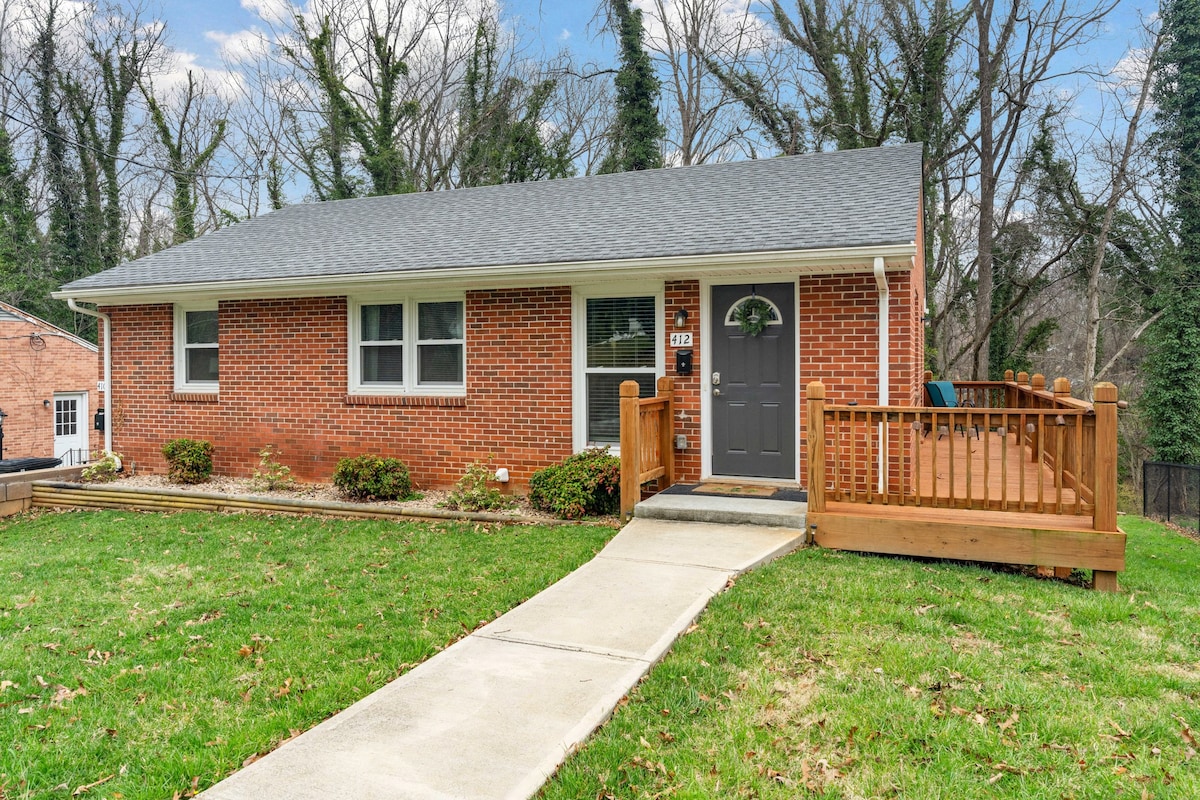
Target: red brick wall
677	295
283	382
839	340
31	371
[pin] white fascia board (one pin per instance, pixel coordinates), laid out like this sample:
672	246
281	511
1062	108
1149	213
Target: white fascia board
897	257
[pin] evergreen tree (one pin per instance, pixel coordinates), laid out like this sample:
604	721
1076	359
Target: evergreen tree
1172	397
635	141
23	282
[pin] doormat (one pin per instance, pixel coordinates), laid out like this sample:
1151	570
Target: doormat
736	490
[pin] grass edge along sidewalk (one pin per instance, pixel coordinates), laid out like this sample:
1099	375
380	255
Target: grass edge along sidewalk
149	655
831	674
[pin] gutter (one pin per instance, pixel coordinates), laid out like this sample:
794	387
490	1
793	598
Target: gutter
108	417
885	343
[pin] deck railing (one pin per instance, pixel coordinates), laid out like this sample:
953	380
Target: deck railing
1020	448
647	440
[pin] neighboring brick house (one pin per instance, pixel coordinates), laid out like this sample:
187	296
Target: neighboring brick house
47	389
495	324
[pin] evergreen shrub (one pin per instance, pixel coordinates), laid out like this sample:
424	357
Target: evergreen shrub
370	477
585	484
188	460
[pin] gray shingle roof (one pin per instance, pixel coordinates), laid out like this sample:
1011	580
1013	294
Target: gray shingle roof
822	200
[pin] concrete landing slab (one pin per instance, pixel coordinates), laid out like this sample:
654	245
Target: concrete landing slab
723	510
495	714
735	548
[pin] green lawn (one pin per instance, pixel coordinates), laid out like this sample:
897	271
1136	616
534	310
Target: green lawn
152	654
835	675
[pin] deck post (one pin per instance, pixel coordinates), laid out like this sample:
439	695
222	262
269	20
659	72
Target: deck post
815	434
666	431
1105	490
1062	392
631	448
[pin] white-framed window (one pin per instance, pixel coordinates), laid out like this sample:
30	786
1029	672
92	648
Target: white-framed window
197	362
408	345
618	337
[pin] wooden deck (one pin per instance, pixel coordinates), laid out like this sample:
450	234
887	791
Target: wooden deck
1029	478
964	469
1064	542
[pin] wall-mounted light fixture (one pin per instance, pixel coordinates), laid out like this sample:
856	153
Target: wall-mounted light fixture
681	317
45	404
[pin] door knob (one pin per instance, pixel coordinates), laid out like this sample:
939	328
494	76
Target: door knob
716	392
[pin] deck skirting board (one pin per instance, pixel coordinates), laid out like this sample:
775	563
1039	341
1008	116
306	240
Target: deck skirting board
964	540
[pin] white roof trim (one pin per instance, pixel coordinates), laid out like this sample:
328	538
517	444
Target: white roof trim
897	257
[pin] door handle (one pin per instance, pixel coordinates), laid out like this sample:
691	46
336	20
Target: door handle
716	392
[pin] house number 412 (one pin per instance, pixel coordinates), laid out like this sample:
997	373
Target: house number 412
681	340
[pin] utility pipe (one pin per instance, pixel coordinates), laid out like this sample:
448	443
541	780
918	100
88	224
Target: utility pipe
884	332
884	360
108	416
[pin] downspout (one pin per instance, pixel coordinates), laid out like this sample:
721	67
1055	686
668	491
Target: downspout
108	417
884	359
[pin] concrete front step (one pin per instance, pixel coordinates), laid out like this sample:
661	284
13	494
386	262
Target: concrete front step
723	510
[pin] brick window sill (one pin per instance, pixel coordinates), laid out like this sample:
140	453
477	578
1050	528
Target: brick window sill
425	401
195	397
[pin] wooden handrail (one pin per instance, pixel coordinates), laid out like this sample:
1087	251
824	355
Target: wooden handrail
1056	454
647	439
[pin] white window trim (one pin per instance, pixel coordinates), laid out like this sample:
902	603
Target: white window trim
180	336
579	297
410	386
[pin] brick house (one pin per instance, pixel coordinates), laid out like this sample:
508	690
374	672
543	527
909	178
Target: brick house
47	389
495	324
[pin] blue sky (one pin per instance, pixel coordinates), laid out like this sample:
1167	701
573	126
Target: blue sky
190	20
550	25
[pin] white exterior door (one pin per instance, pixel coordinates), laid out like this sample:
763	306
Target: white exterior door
71	427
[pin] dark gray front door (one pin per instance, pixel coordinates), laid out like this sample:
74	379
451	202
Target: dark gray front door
754	385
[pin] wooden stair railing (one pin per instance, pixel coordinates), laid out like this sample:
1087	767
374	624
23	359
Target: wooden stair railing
647	440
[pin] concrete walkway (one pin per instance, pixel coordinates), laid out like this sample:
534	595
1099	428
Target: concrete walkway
495	714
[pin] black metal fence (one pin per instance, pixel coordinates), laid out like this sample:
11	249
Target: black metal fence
73	458
1172	492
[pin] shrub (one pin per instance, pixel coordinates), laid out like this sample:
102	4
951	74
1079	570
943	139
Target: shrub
188	460
270	475
103	469
584	484
372	478
472	492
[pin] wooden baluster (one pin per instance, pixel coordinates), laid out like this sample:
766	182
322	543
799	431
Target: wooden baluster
919	430
933	461
1004	463
870	437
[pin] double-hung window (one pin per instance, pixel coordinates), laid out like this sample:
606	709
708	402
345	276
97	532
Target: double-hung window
196	349
408	345
620	343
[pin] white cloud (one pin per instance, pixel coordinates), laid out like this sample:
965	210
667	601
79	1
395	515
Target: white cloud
172	81
242	47
270	11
